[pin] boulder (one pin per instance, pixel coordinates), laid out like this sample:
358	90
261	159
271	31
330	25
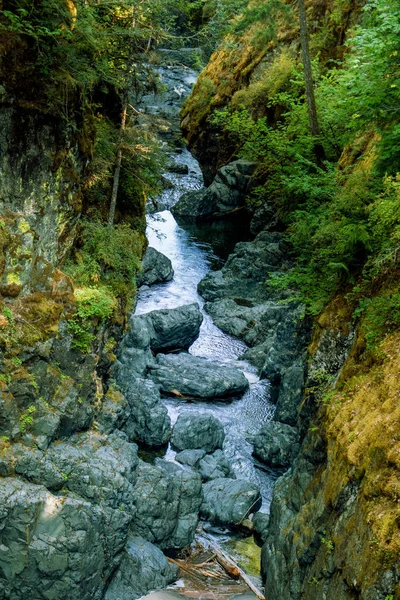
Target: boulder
276	445
174	328
138	411
159	330
62	546
196	431
156	268
290	395
190	457
226	193
196	377
215	466
168	500
143	568
229	501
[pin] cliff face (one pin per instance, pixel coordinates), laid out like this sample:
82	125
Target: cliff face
245	71
334	530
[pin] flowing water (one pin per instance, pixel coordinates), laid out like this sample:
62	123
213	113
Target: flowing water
194	251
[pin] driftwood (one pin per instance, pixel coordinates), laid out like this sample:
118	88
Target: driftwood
231	568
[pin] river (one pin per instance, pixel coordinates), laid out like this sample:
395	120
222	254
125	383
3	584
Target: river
193	251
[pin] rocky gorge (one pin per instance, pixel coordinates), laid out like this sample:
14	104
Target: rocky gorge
208	405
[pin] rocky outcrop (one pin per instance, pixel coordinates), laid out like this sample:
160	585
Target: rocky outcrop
229	501
243	303
226	194
276	444
197	431
143	567
167	500
139	411
196	377
215	466
330	502
156	268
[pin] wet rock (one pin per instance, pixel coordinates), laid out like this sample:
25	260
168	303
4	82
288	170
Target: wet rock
190	457
159	330
215	466
168	500
143	568
175	328
196	377
178	168
66	548
226	194
194	430
290	395
261	522
229	501
156	268
138	411
277	444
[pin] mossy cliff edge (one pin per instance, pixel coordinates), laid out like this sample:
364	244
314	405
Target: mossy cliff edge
334	527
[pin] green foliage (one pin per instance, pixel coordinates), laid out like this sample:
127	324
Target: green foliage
109	256
94	306
26	419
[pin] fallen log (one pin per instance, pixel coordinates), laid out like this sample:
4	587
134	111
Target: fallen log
231	568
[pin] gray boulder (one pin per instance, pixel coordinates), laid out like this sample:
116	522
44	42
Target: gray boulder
143	568
175	328
215	466
168	500
159	330
226	193
196	377
139	411
190	457
277	444
195	430
55	546
156	268
229	501
290	395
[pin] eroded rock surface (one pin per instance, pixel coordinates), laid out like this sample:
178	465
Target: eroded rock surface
197	431
156	268
196	377
229	501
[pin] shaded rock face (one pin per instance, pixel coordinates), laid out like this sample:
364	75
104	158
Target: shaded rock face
320	504
196	377
242	303
276	444
226	193
156	268
197	431
139	411
143	567
157	331
167	500
229	501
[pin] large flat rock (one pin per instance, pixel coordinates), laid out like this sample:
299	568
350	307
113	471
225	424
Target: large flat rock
196	377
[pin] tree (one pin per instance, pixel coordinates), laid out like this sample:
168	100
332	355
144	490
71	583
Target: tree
309	82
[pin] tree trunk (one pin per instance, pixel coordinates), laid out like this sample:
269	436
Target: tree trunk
309	83
117	172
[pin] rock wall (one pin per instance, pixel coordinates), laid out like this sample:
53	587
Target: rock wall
333	530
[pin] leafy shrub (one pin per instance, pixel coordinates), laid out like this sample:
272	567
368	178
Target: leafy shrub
109	256
94	306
